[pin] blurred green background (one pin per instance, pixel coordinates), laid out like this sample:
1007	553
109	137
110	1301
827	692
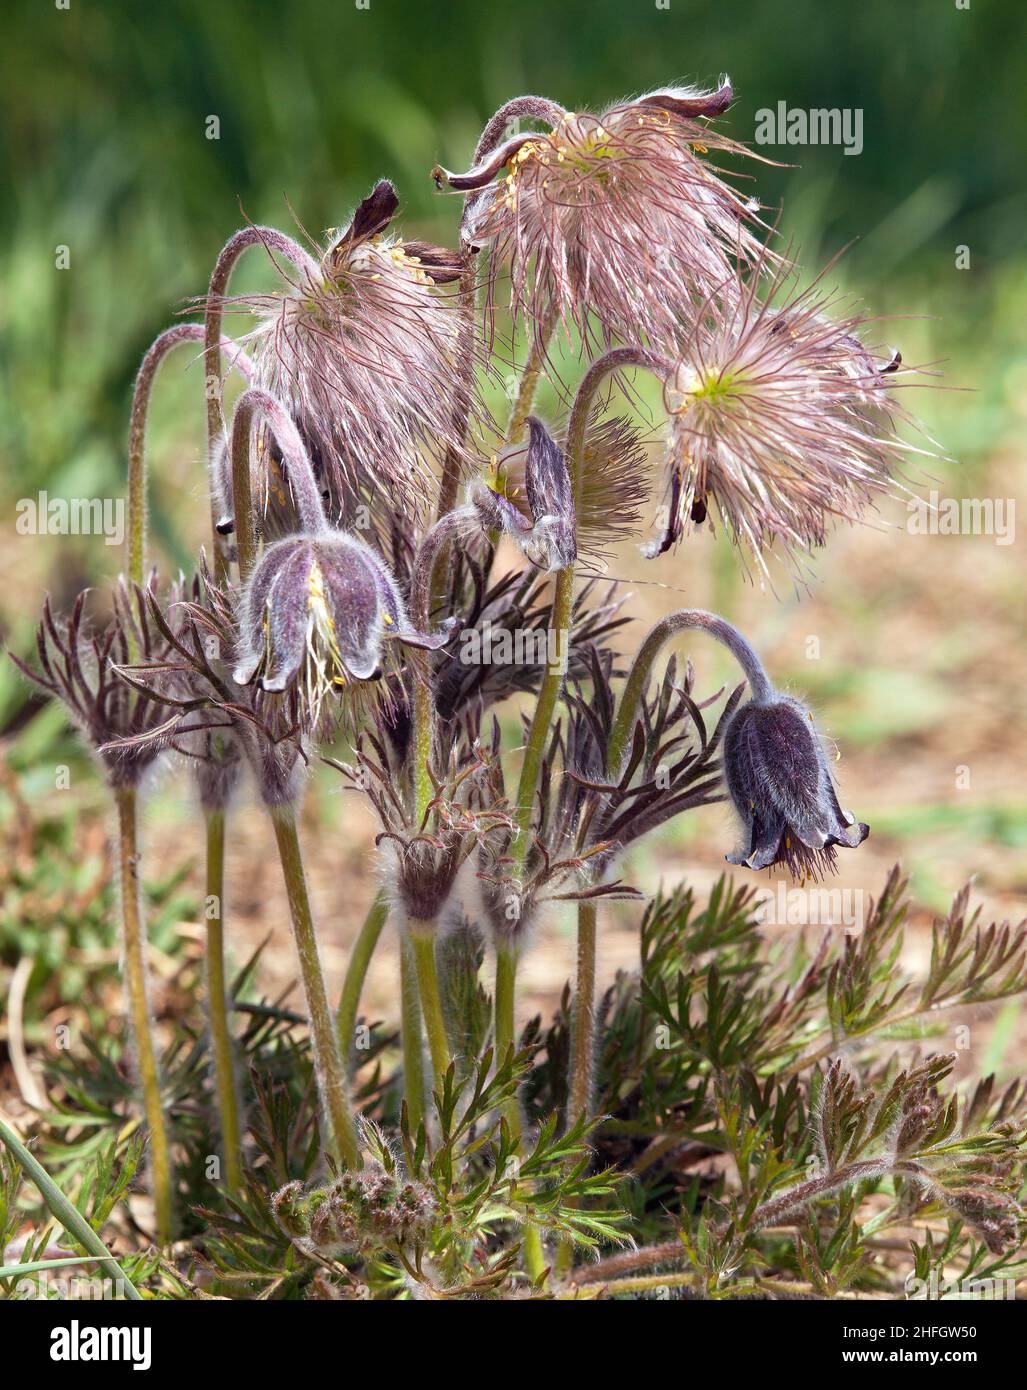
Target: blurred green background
104	149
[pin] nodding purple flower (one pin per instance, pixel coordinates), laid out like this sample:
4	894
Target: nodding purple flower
317	614
615	218
363	349
780	418
547	539
777	774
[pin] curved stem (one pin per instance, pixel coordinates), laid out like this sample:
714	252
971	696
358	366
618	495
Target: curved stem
356	973
259	404
686	619
217	1001
133	946
413	1054
141	394
333	1091
613	360
531	108
616	359
422	941
274	242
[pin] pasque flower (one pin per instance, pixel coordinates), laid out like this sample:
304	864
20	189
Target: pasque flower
527	493
615	217
777	773
362	348
780	418
547	539
318	613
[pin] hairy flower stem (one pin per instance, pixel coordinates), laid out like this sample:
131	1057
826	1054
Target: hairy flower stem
133	947
274	242
579	1099
686	619
328	1068
137	480
356	973
413	1047
581	1067
527	386
217	1001
505	1039
215	820
616	359
450	479
422	942
257	405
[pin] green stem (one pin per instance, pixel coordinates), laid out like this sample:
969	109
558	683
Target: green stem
413	1053
506	980
356	973
449	482
579	1099
616	359
532	370
217	1001
158	350
506	993
328	1068
69	1216
422	940
581	1068
253	405
544	716
134	968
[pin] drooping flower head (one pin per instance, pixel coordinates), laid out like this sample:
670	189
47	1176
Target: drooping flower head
318	614
618	217
780	418
780	782
362	348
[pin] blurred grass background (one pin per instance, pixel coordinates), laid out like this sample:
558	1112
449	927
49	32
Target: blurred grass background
920	667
